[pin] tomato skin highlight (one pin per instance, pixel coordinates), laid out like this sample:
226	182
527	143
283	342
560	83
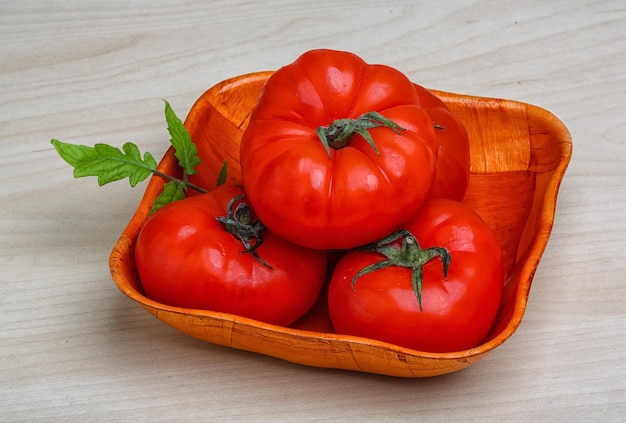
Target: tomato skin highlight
355	196
457	312
186	258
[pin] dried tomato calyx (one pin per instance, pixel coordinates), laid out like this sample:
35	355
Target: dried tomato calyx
339	133
409	255
238	222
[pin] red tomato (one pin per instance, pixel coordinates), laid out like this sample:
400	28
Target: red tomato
456	311
453	151
186	258
352	193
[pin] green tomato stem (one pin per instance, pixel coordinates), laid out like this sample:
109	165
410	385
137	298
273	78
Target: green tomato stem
238	222
409	255
338	134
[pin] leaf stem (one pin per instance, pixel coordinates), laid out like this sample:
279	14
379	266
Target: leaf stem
184	182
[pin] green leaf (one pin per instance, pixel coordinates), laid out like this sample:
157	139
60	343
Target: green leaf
111	164
172	191
221	178
106	162
186	150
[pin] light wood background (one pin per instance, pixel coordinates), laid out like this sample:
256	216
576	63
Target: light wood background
73	348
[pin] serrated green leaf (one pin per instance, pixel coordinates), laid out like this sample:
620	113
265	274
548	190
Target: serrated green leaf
185	150
172	191
106	162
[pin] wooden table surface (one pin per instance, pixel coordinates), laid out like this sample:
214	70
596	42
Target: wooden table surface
74	348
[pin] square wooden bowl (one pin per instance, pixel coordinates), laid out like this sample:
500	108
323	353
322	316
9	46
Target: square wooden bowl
519	154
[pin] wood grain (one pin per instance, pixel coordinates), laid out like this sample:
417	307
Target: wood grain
73	348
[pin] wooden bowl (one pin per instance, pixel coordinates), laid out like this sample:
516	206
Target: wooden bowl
519	154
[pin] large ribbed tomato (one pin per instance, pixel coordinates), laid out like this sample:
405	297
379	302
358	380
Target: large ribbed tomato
351	191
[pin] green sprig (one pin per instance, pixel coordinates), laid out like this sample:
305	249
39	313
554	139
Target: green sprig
110	164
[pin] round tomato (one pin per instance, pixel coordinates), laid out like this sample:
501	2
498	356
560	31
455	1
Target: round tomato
338	153
435	286
453	150
208	252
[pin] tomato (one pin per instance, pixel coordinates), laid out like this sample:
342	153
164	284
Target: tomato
453	150
435	286
354	190
187	258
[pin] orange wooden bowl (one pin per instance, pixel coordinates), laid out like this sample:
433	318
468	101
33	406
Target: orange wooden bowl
519	154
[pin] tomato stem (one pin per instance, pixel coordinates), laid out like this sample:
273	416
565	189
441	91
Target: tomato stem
409	255
339	133
238	222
